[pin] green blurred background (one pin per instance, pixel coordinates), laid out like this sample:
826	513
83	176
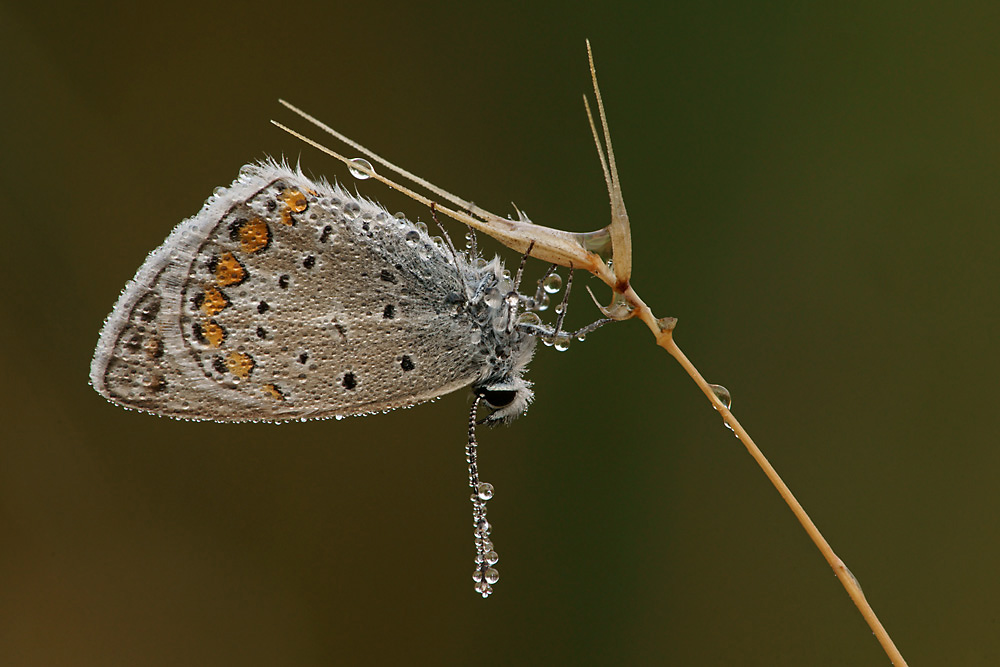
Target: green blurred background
813	190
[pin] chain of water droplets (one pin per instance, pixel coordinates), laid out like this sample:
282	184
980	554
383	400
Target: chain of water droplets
485	575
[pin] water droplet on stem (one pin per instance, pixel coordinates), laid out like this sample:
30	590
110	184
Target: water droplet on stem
552	283
529	318
359	173
722	394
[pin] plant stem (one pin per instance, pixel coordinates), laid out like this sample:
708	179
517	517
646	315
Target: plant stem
665	339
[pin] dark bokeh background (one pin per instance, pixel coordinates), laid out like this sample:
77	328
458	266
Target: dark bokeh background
814	193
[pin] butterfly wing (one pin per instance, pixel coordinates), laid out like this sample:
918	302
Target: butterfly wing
288	299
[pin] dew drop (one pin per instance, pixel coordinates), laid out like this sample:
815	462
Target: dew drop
492	297
722	394
492	557
552	283
359	173
484	491
561	344
598	241
847	569
421	226
491	575
619	309
529	318
542	304
483	528
412	237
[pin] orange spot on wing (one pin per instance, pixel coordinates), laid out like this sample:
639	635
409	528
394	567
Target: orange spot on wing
213	333
240	364
295	202
273	391
153	347
254	236
229	271
213	301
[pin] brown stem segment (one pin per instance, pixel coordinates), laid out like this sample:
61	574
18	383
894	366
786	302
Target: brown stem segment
665	339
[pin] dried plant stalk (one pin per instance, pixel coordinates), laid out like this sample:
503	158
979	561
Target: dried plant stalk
590	251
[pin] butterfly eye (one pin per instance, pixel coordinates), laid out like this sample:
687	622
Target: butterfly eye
499	398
